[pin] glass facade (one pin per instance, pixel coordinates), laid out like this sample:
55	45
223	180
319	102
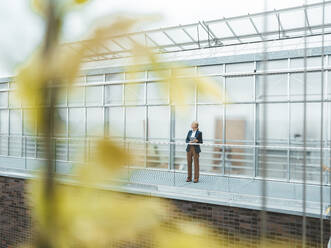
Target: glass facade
136	108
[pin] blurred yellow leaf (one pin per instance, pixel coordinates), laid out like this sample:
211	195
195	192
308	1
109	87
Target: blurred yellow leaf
105	164
80	1
181	81
186	234
91	217
39	6
30	80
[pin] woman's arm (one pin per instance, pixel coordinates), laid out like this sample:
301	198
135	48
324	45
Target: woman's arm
187	138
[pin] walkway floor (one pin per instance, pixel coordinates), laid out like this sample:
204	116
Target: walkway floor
285	197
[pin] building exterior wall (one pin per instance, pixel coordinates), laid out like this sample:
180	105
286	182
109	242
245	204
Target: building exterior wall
107	102
234	226
15	220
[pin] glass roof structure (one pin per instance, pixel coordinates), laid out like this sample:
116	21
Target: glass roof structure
288	23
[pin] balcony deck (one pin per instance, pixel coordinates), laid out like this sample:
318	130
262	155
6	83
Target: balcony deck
243	192
284	197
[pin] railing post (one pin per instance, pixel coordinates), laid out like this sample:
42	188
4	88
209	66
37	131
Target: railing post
25	161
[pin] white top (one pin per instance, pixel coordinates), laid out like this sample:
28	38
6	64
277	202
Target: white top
193	134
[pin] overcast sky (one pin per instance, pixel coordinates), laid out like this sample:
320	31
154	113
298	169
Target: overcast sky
21	29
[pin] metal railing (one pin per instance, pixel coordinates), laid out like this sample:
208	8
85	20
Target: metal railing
282	162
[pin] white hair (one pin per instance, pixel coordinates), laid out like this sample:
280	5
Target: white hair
196	123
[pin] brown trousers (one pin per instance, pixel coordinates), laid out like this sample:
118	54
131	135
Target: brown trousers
191	153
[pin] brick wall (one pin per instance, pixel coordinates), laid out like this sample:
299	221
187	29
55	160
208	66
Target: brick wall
15	220
234	226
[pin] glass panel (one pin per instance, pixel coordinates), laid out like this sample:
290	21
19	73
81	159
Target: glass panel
205	98
273	65
76	122
62	97
210	69
114	94
61	118
275	116
116	123
29	122
61	149
154	75
184	72
15	125
30	148
157	156
275	163
139	151
313	116
3	85
311	62
240	67
312	165
139	75
328	86
95	78
276	134
238	161
157	93
3	145
80	80
313	86
180	158
115	77
15	146
4	122
94	121
3	99
77	149
158	122
184	115
239	129
240	89
76	96
14	101
41	153
134	93
239	124
158	128
135	122
94	96
210	119
276	89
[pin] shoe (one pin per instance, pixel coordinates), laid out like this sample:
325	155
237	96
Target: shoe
188	180
196	180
